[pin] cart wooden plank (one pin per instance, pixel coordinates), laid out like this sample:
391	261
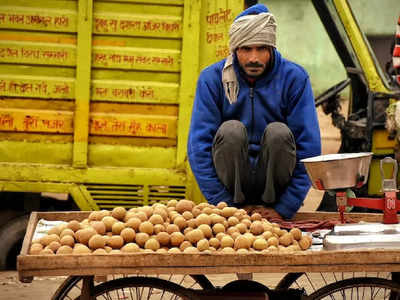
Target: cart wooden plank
166	263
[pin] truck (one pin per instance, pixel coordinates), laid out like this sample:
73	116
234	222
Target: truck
96	99
95	103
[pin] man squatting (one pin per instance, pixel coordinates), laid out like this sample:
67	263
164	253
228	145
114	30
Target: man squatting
253	120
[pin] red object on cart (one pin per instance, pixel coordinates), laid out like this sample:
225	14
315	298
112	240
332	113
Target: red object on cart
389	204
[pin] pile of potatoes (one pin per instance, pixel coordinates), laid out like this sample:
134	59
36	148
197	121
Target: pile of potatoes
177	227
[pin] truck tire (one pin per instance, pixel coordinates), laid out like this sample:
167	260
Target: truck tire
11	237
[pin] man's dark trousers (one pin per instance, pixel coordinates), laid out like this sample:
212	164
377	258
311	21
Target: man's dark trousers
261	182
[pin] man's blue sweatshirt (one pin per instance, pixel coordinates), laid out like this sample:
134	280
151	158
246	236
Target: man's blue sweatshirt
283	94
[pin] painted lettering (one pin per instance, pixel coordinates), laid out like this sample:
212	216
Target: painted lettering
30	53
221	17
129	59
222	51
55	54
61	89
134	127
16	19
41	87
53	124
147	93
123	93
101	58
99	124
61	21
30	122
126	25
18	87
118	126
6	121
115	58
160	26
214	37
3	85
157	128
106	59
101	91
37	20
11	52
105	25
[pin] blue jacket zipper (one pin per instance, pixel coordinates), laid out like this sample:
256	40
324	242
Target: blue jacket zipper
252	112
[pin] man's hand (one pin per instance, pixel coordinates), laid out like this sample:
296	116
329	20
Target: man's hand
265	212
269	213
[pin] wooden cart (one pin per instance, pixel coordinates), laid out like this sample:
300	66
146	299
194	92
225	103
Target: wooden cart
84	268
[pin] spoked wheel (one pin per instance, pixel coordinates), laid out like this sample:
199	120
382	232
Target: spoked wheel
359	288
71	288
312	282
141	288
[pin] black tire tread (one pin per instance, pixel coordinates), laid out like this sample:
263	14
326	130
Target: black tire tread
354	282
10	234
131	282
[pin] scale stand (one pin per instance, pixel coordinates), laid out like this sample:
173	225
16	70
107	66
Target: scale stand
390	205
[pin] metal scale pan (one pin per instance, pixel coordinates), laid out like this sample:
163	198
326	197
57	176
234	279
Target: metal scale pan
338	171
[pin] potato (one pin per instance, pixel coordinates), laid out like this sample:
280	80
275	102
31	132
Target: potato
296	233
184	205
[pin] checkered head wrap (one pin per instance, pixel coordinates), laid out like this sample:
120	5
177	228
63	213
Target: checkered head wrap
247	30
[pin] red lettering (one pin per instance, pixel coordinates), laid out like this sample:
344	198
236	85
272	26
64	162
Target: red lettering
3	85
222	51
127	25
115	58
6	121
12	52
30	122
61	21
61	89
157	128
118	126
104	25
129	59
221	17
123	93
99	124
160	26
16	19
101	91
147	93
214	37
101	58
101	25
134	127
29	53
41	87
53	124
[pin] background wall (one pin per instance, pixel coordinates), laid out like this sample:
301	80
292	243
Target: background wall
303	39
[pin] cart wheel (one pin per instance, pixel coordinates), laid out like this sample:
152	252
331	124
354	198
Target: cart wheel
141	288
359	288
72	286
69	289
312	282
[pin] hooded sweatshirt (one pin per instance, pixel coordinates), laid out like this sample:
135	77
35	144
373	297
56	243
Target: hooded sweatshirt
284	95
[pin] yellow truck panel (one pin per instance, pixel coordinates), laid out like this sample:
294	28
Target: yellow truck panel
96	96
